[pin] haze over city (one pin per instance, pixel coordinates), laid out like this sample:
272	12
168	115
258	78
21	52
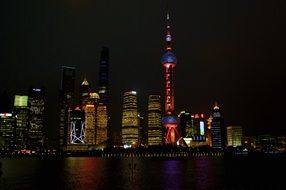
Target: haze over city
229	52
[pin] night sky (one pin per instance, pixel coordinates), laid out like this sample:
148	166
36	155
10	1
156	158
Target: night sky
232	52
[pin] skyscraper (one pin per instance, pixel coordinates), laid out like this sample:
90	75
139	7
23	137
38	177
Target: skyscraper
66	102
217	129
130	121
77	127
154	120
7	123
234	136
84	92
169	61
21	114
103	91
91	118
101	125
36	117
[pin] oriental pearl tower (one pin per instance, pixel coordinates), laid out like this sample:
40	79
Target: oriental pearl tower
170	119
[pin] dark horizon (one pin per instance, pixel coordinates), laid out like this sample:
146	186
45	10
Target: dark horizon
229	52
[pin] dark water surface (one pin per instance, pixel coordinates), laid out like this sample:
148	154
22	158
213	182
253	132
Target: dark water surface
267	172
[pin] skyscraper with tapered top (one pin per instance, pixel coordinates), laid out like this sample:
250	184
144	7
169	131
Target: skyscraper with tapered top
103	132
170	119
66	103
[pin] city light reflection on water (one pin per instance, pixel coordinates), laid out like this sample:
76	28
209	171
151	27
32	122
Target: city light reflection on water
136	173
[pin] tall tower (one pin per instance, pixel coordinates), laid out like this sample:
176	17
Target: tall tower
36	117
217	129
169	61
104	132
66	102
130	121
21	111
84	92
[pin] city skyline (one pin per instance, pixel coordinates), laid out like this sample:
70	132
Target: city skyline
230	52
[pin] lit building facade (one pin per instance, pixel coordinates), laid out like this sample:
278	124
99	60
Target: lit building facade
36	124
130	122
218	129
101	126
154	120
198	127
21	112
90	123
7	123
234	136
84	92
170	119
77	127
103	91
66	102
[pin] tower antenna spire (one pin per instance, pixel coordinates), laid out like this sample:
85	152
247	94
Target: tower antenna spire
168	32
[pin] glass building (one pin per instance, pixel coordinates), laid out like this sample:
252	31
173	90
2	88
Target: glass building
77	127
154	120
36	105
217	129
130	121
21	112
103	128
66	102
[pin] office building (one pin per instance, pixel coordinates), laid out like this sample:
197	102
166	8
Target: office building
130	122
154	120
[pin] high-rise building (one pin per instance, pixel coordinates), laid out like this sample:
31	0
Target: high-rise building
101	125
154	120
185	124
7	123
130	123
170	119
77	127
84	92
198	125
21	111
91	118
36	124
218	129
66	102
234	136
103	91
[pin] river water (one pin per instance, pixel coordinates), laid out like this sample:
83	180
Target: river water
81	173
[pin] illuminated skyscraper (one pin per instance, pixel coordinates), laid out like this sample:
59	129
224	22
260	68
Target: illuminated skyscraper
90	118
84	92
130	122
217	129
66	102
36	117
170	120
77	127
154	120
103	91
198	125
185	124
234	136
21	111
7	123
